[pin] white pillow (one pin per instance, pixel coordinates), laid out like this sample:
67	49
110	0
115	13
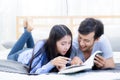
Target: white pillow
2	48
8	44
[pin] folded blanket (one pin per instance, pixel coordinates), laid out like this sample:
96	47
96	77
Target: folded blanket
13	67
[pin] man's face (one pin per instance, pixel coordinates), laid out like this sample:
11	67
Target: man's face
86	42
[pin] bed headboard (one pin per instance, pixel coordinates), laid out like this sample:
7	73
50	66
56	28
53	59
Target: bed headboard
43	24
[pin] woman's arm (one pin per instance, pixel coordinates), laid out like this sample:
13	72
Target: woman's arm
45	68
56	62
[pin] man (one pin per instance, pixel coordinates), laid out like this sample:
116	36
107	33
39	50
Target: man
91	39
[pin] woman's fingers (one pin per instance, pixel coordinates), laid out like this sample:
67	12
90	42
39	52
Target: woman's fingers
60	61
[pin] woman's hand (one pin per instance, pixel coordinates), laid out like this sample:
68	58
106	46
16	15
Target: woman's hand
60	62
76	61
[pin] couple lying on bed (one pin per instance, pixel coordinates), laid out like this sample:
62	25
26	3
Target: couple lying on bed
54	53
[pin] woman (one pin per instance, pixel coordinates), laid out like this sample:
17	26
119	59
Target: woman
49	55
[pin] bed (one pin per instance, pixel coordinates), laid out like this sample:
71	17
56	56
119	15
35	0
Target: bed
4	50
40	24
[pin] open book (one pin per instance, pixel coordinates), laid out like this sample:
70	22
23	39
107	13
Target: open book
76	68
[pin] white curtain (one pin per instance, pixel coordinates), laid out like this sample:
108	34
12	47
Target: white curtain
9	9
7	19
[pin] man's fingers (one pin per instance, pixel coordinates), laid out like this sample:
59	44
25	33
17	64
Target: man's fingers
99	57
98	64
76	61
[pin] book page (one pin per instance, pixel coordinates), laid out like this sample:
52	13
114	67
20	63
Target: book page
90	61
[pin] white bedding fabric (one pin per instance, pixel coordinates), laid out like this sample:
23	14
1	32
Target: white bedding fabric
4	53
79	76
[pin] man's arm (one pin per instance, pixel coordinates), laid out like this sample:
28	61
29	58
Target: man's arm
106	60
109	63
101	62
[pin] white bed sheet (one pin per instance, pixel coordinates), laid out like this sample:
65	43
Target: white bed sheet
78	76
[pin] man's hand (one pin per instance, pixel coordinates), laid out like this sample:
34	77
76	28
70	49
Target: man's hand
99	61
76	61
102	63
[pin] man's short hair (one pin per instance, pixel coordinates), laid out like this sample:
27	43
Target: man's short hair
91	25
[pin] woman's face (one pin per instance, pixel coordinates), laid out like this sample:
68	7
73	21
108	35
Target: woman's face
63	45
